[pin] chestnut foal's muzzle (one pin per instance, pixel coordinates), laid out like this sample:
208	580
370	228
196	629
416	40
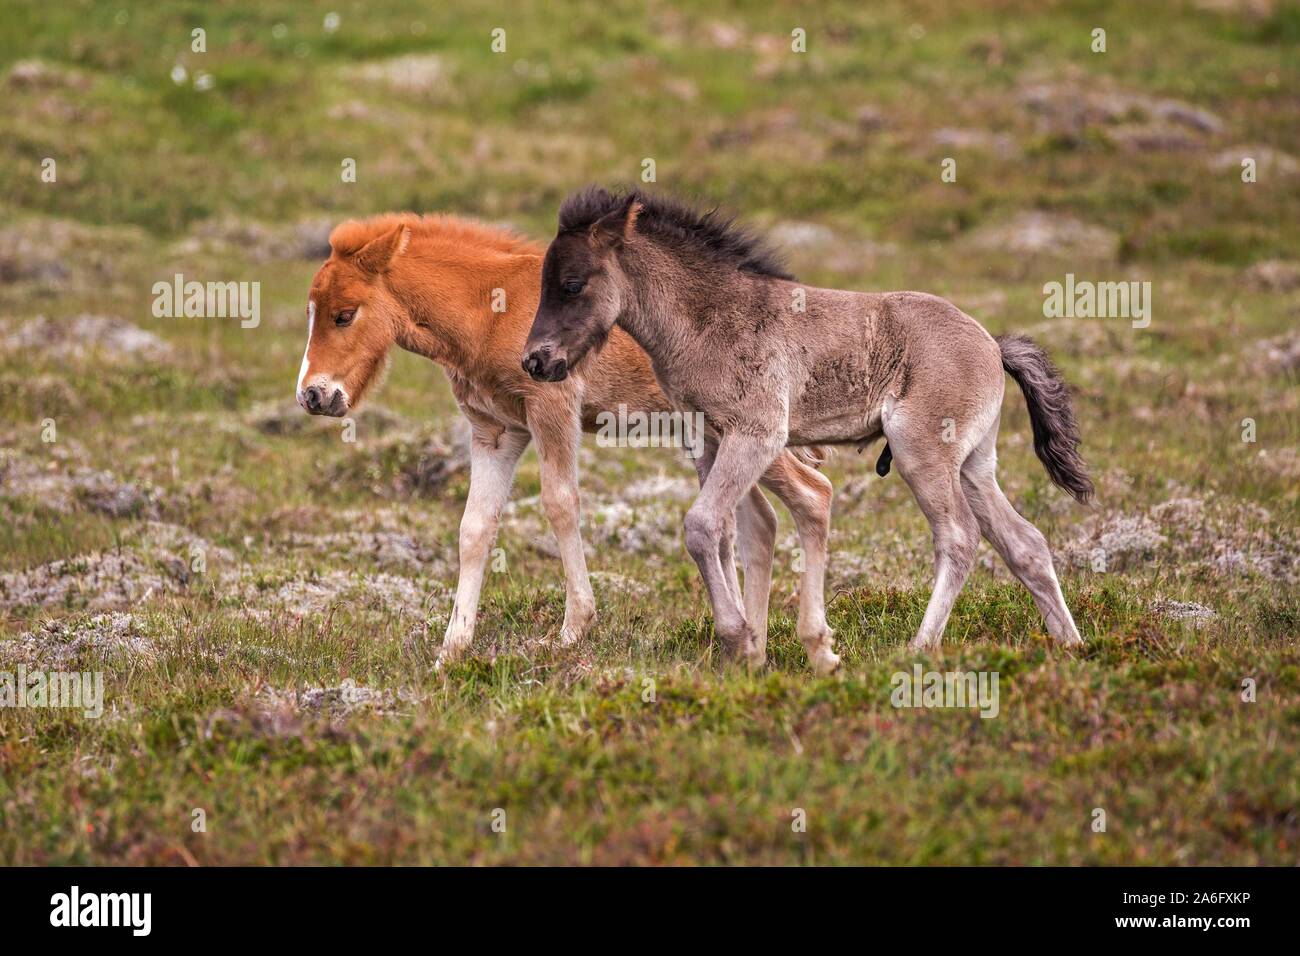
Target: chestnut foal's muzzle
318	403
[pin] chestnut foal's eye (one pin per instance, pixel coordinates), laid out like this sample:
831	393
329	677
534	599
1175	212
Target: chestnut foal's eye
345	317
574	287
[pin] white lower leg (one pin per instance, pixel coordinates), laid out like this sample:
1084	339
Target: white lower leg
560	500
558	453
813	630
493	457
813	518
756	535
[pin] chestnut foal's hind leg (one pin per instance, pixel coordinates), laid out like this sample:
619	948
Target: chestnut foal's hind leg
806	494
557	450
756	540
493	455
727	541
738	464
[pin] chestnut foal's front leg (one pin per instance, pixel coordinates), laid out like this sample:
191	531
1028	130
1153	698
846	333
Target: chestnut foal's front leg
739	462
557	450
494	453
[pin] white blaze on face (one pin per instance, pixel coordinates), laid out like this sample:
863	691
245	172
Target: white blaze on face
311	324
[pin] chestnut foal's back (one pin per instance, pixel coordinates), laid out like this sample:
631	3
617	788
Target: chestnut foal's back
464	295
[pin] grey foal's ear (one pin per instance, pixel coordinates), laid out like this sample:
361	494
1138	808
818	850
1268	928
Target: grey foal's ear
617	226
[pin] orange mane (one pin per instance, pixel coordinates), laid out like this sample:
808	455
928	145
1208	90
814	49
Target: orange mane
348	237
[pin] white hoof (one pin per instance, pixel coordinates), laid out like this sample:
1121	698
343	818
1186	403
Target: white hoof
824	663
449	653
567	637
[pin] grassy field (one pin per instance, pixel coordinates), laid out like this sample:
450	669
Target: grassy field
265	600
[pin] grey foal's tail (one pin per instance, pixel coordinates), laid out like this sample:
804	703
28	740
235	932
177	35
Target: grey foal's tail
1051	413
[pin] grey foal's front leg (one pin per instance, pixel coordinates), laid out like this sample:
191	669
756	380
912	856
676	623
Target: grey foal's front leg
727	543
739	462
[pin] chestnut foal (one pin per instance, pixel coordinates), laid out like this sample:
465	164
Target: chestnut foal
464	294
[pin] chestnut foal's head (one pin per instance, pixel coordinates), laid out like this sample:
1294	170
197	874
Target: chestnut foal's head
583	293
352	317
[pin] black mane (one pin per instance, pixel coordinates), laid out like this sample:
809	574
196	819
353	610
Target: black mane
680	224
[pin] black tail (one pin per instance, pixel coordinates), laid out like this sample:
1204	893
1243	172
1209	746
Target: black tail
1051	413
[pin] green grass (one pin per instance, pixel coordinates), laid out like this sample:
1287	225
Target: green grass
1146	722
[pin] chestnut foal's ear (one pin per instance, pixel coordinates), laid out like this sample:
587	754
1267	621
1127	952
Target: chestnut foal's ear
616	227
377	254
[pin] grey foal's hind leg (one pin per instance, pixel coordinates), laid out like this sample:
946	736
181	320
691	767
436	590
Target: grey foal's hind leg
1021	545
931	469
